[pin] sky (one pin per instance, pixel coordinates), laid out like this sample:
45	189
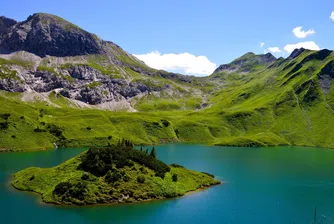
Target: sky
194	37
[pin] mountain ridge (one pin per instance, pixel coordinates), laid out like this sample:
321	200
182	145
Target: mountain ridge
255	100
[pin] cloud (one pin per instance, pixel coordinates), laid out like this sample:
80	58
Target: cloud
274	49
188	63
307	45
262	44
299	33
332	16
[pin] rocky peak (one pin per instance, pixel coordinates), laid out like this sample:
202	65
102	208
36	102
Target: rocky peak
46	34
296	52
5	23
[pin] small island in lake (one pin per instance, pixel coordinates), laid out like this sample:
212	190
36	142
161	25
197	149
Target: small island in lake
110	175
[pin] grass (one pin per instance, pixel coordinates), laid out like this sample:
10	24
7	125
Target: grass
279	105
100	190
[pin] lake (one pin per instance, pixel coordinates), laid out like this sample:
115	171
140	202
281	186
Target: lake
261	185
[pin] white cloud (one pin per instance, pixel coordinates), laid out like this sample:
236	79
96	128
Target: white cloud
262	44
332	16
274	49
307	45
299	33
188	63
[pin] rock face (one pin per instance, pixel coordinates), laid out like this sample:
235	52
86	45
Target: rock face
46	53
5	23
44	34
80	82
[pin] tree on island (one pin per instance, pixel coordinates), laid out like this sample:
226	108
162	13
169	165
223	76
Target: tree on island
153	153
174	177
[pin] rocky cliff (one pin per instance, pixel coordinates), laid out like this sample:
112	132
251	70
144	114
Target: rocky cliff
47	53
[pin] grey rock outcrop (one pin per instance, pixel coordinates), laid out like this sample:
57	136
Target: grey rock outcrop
5	23
44	34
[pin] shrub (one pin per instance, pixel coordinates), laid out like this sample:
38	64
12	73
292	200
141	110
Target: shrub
126	178
39	130
174	177
176	165
165	123
111	192
32	177
5	116
62	188
113	176
160	174
3	125
211	175
85	176
143	170
55	130
141	179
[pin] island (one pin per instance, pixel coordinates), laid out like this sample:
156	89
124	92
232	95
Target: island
114	174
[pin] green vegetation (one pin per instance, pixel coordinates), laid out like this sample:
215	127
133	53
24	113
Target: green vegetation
114	174
47	68
93	85
282	103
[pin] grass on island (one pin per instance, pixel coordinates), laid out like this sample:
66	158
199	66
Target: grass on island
115	174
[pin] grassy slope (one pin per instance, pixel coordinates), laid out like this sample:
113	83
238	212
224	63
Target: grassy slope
98	190
280	105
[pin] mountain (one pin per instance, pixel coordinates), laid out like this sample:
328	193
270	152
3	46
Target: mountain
247	63
50	96
46	53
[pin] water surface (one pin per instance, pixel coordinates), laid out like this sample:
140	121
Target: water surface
262	185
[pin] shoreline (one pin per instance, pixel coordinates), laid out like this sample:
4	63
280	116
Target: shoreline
43	203
7	150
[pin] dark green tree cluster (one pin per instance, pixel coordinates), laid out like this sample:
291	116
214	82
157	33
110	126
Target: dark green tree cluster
153	153
125	143
99	161
68	190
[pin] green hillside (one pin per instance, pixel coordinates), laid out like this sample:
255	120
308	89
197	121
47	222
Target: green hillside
288	102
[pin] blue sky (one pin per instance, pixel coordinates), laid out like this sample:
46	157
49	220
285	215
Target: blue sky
218	30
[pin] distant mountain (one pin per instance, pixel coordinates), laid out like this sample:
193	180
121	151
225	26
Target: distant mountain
246	63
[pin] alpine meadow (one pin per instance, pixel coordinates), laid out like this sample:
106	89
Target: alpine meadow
102	94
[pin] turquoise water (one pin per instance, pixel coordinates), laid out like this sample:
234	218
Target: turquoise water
262	185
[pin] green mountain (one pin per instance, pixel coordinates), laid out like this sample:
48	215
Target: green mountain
50	96
116	174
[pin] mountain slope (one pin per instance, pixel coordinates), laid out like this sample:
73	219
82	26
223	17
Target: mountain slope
254	100
291	98
46	53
